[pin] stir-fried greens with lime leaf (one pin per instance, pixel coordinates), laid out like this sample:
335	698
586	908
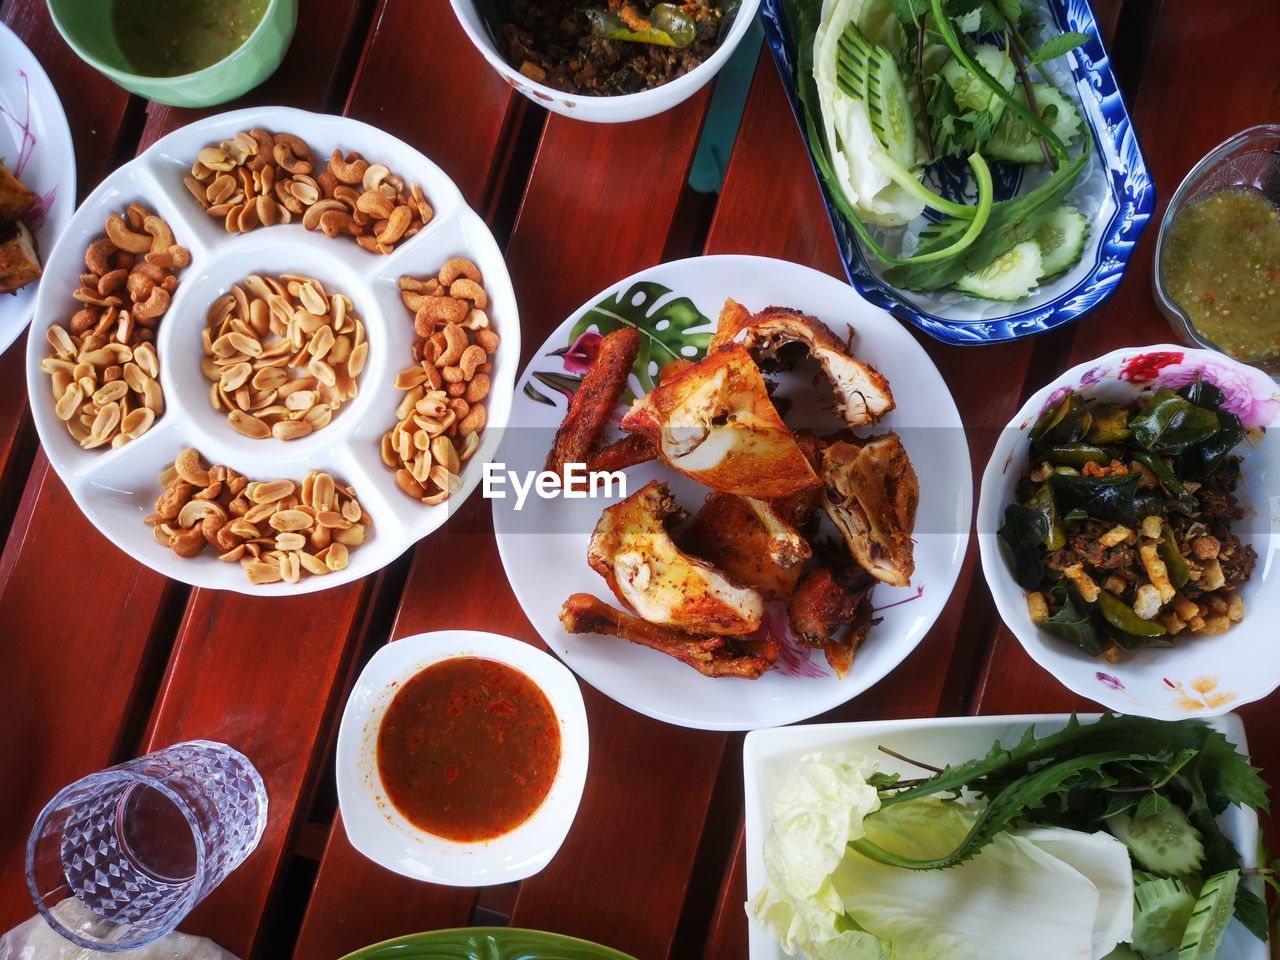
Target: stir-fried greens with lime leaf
888	87
1122	533
1099	840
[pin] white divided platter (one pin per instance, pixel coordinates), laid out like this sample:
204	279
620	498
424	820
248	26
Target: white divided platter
117	488
770	756
35	144
544	545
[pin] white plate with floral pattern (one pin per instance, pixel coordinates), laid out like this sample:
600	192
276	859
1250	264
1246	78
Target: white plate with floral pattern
544	545
36	147
1200	676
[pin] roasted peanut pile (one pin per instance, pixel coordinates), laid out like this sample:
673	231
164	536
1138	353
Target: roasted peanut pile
274	529
104	367
283	355
259	178
442	412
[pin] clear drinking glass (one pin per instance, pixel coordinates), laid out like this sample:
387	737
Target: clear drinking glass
140	844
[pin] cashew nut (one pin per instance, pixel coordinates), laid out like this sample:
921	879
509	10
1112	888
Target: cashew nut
125	239
350	169
97	256
471	359
161	233
459	267
154	306
455	339
465	288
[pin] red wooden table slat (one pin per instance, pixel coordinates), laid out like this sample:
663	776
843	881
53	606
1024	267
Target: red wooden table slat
412	90
266	699
575	234
762	212
69	669
69	665
13	413
263	675
1206	77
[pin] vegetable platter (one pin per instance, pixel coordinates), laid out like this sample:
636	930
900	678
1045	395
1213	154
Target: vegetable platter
956	206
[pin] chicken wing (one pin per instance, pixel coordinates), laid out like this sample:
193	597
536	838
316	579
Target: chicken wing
19	264
871	495
629	451
595	399
830	597
711	656
634	552
728	532
862	394
715	423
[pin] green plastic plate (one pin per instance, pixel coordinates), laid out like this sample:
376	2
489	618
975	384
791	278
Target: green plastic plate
487	943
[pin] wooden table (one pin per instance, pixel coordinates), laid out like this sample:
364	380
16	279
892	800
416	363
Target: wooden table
101	659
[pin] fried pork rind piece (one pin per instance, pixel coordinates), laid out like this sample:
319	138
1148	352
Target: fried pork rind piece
594	400
862	394
714	422
830	597
728	532
871	495
714	656
634	552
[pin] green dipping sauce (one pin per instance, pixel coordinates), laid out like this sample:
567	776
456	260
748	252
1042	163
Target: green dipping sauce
170	38
1222	266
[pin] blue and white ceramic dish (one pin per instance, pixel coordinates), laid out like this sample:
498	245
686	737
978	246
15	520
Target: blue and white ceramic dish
1115	192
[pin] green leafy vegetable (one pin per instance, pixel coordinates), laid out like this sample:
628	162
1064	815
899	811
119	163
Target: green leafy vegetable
1023	534
1102	498
1058	45
1072	622
1170	423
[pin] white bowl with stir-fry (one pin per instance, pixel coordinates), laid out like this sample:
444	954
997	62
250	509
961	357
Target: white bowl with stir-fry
648	27
1127	527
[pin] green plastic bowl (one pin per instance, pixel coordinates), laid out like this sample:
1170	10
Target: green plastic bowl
86	26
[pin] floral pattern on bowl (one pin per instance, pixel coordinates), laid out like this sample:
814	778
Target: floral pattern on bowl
1205	676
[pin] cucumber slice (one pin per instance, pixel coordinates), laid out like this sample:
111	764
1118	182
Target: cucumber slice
971	93
1166	844
1210	917
1010	276
1061	240
868	72
891	116
1014	140
1161	909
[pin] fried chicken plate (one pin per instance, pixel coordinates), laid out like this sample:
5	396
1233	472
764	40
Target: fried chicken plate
634	552
714	422
696	590
862	393
871	496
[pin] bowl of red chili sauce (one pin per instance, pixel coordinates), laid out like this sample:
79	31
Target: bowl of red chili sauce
462	758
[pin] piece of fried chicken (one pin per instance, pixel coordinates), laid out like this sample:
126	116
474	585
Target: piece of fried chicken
712	656
633	550
831	609
862	394
871	495
714	422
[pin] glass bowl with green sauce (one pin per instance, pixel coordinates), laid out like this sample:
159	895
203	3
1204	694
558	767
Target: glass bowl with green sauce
186	53
1217	264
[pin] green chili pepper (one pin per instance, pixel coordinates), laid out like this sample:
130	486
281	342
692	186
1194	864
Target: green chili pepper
1126	620
1175	563
669	27
1075	454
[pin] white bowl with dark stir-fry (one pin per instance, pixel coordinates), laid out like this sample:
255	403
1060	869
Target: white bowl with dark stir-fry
607	62
1127	530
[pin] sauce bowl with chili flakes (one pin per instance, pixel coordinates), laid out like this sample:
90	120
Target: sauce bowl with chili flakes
461	758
